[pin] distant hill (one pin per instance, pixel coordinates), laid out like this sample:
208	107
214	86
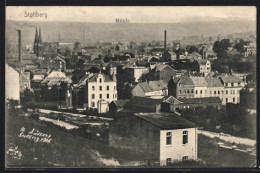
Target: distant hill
73	31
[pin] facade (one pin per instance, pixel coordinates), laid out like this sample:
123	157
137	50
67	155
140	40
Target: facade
101	90
12	83
215	88
155	89
55	78
58	63
200	87
161	138
185	87
232	86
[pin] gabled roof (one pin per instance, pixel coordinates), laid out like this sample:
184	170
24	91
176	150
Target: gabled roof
166	120
146	87
230	79
153	86
200	100
121	103
213	82
94	77
185	80
199	81
143	102
202	62
82	81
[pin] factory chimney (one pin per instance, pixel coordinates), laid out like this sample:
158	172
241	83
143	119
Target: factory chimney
19	45
165	42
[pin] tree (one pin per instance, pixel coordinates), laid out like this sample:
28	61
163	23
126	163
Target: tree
220	47
77	75
26	96
107	59
192	49
151	76
240	46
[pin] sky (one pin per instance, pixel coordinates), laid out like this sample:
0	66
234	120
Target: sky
136	14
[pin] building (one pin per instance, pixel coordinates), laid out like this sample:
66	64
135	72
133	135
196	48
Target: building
117	105
25	82
55	78
155	89
205	66
215	88
250	49
200	86
12	83
172	104
145	104
164	72
101	90
58	63
136	71
161	138
184	87
232	86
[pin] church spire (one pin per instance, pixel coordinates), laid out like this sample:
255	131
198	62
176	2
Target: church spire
36	36
40	36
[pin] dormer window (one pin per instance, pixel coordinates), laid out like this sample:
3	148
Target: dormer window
100	80
232	84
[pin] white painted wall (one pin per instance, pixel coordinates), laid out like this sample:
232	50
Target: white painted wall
177	150
12	83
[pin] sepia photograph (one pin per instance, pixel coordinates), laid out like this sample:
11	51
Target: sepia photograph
130	87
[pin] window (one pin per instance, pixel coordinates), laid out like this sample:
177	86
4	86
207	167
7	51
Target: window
100	88
184	91
234	91
226	91
93	96
168	138
200	91
226	84
196	91
107	96
218	92
215	92
234	99
185	158
93	88
184	137
93	104
222	91
114	87
100	80
107	87
100	96
188	91
239	84
226	100
168	161
232	84
115	95
180	91
179	84
191	91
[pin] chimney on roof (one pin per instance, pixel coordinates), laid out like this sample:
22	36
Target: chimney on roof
165	32
19	45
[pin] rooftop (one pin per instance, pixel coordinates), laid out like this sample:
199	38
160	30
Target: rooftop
199	81
201	100
213	82
166	121
230	79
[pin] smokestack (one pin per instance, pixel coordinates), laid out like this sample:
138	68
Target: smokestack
165	40
19	45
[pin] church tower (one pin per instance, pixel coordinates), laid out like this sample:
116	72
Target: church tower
38	46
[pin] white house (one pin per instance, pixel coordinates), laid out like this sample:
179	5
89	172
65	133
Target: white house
137	71
200	87
232	87
162	138
205	66
102	90
12	83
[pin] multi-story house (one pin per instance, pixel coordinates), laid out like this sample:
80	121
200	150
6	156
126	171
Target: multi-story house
232	87
101	90
12	83
162	138
165	72
182	87
205	66
200	86
215	88
136	71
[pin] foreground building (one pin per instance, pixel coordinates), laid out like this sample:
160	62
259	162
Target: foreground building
161	138
12	83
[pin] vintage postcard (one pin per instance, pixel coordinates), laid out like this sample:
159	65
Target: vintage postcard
130	87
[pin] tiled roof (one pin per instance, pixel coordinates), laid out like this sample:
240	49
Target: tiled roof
230	79
146	87
199	81
185	80
93	78
213	82
166	120
153	85
201	100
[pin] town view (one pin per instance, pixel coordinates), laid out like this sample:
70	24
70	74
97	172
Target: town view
130	87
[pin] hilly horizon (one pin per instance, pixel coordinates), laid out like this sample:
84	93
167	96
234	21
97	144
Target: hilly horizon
73	31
